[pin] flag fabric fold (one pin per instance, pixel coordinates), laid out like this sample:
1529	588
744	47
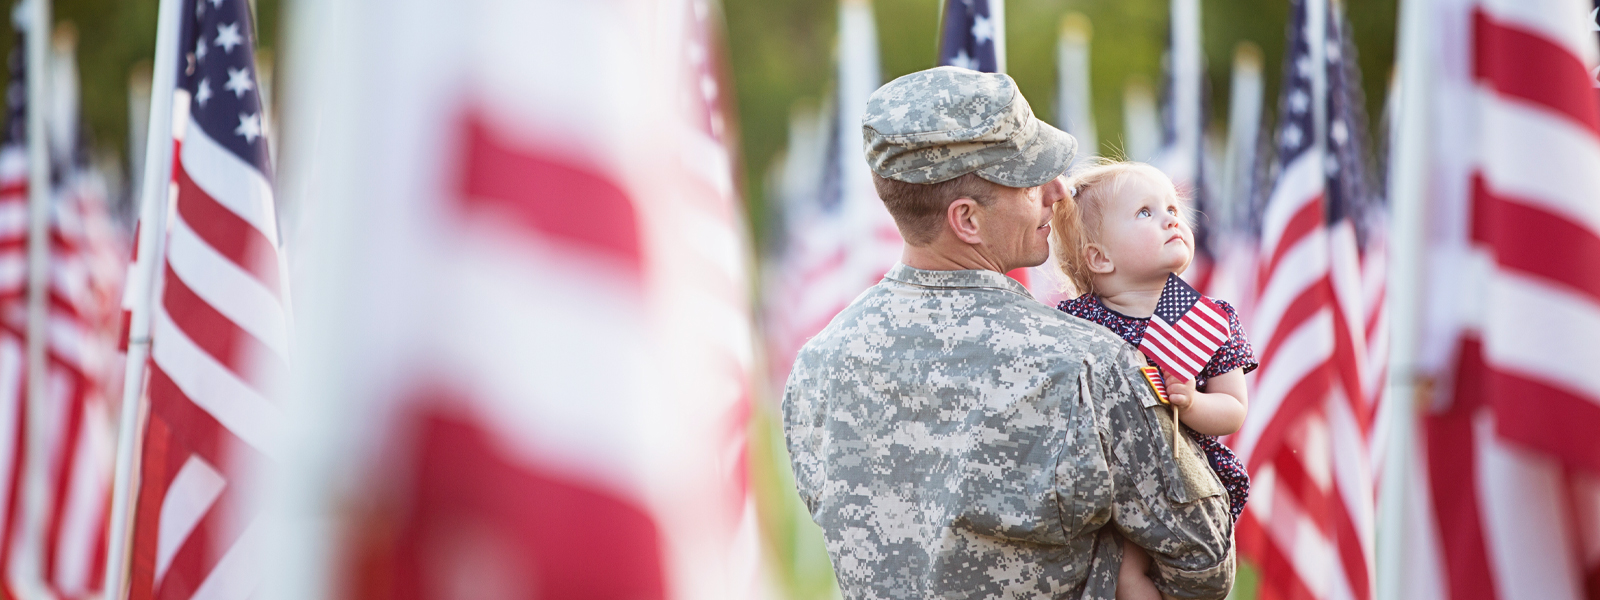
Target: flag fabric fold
219	328
544	337
1505	492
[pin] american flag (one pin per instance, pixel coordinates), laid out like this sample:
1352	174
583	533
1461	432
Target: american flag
218	331
1157	383
1509	487
974	35
1298	526
13	307
544	340
836	238
55	504
1185	330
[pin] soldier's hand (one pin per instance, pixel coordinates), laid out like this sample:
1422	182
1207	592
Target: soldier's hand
1180	394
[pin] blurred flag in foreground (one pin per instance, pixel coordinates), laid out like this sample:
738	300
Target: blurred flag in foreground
526	341
837	238
1504	502
219	328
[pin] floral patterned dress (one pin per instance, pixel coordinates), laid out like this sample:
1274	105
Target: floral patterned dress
1234	354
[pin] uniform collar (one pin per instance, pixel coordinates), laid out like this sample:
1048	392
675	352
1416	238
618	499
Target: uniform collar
955	279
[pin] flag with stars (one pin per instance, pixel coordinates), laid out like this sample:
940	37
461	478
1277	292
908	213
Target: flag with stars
55	466
13	305
974	35
1185	330
1295	519
218	329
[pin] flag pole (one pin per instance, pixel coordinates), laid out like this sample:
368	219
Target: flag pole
1074	114
36	15
1244	134
155	184
1408	175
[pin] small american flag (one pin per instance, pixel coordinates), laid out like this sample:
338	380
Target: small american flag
1185	331
1153	375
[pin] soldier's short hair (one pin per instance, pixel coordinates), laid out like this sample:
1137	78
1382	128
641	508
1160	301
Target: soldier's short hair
918	208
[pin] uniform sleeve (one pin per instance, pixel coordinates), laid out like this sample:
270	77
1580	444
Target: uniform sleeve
1171	505
1234	353
802	429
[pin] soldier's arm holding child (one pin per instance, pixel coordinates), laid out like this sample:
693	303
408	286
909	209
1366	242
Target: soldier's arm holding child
1219	410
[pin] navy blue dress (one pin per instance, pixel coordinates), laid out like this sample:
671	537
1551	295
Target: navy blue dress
1234	354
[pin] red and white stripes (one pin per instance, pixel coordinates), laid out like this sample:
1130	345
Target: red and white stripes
219	339
1508	502
1309	523
1535	212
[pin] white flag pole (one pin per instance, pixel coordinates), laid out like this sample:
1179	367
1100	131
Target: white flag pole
35	17
1244	134
156	183
1074	113
1141	121
1408	188
997	15
38	48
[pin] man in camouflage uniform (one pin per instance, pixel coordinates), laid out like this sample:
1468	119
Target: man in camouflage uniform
954	437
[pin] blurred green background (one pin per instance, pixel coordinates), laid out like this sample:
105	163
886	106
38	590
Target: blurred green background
782	50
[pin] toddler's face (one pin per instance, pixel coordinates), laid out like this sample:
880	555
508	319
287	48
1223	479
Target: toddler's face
1143	231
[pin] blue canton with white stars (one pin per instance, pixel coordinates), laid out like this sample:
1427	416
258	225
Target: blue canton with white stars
969	36
1234	354
17	92
1296	133
1176	299
217	65
1351	191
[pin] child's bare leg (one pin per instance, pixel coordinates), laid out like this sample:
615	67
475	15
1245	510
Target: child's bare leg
1132	583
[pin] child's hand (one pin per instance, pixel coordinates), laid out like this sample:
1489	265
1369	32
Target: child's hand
1180	394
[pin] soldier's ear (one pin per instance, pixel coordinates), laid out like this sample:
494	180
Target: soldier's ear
1095	257
962	219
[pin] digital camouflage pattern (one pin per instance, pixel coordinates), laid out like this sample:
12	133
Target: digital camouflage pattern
942	123
954	438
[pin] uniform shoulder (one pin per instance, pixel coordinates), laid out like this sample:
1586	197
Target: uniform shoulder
1077	333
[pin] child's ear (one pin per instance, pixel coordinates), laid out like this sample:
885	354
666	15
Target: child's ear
1094	255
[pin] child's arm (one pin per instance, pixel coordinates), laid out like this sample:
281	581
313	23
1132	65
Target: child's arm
1217	412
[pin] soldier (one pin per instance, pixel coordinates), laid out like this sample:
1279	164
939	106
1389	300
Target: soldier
955	438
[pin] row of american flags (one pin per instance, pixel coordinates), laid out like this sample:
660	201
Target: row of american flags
520	355
518	360
1424	319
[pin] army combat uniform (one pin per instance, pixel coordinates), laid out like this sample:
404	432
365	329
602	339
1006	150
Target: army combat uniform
955	438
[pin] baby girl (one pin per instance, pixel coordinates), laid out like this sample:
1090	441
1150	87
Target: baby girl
1118	238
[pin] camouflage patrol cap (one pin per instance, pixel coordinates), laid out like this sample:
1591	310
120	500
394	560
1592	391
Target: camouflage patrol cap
942	123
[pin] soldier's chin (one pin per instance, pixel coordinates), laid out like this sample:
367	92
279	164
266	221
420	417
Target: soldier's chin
1034	261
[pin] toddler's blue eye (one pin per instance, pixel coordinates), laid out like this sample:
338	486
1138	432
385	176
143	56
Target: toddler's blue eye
1144	212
